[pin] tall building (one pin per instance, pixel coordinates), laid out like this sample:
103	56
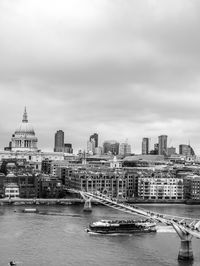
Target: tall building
111	146
171	151
145	146
95	137
125	149
24	138
91	146
99	150
162	145
186	150
59	141
155	150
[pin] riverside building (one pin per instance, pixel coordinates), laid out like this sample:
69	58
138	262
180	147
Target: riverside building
114	183
192	187
160	187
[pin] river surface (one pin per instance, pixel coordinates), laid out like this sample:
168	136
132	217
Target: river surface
57	238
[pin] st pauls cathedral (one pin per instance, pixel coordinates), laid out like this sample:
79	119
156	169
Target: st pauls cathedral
24	138
23	146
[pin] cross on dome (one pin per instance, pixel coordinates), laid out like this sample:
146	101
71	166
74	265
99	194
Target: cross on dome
25	116
24	138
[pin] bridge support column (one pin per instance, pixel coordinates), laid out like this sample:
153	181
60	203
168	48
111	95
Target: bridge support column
87	205
185	251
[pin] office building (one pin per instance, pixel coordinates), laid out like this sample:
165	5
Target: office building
68	148
91	146
59	141
162	145
124	149
171	151
186	150
145	146
111	147
99	150
95	137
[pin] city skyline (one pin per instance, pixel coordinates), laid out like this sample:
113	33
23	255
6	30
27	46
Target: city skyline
59	145
126	70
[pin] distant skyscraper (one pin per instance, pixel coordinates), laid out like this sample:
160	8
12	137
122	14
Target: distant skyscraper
186	150
111	146
91	146
155	150
68	148
162	145
145	146
96	138
156	145
59	141
124	149
171	151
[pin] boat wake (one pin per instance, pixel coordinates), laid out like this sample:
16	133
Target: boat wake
111	234
59	214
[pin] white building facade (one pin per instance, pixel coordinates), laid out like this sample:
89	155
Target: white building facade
160	188
12	191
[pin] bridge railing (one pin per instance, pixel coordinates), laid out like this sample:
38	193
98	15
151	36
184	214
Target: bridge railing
186	224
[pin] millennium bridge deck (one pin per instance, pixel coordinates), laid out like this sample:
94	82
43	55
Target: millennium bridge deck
186	227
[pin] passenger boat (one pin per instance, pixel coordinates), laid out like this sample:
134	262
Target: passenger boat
121	226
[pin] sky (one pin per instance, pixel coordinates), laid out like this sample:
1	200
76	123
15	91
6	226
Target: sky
126	69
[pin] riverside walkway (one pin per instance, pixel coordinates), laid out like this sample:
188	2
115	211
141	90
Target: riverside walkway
39	201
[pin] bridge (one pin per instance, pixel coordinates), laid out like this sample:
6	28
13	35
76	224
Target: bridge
185	227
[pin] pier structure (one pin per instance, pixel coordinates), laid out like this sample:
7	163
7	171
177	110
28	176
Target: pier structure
87	204
185	227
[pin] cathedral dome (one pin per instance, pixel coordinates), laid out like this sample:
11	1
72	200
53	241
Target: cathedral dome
24	138
25	127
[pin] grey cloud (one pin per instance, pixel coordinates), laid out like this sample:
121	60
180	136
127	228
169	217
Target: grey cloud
122	68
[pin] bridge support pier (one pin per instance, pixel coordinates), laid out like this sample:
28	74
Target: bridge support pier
87	205
185	251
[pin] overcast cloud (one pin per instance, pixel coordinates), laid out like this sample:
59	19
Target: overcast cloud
123	68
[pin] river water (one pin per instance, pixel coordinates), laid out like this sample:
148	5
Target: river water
57	238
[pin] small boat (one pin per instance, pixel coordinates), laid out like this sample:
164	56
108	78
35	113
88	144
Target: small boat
30	210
